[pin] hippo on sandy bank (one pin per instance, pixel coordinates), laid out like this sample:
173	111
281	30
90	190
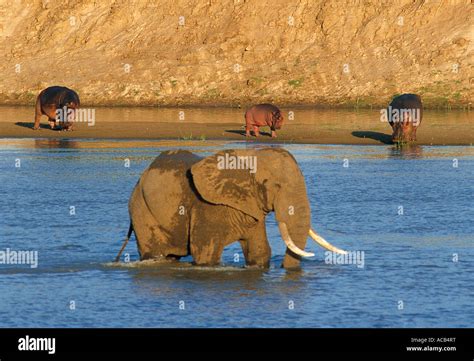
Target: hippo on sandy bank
263	115
58	103
404	115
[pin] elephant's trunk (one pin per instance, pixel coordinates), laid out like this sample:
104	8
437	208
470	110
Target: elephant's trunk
293	215
295	225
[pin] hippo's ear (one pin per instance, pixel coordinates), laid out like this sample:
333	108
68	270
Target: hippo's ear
219	180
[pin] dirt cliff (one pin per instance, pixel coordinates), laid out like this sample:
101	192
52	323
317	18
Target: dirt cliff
183	52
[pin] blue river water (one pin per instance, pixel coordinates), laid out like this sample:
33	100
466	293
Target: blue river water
409	212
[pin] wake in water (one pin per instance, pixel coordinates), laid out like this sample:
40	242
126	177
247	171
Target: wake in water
172	265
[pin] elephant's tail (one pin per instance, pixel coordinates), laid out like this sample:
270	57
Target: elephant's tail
129	234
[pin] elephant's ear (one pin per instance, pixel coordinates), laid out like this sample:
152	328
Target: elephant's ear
219	182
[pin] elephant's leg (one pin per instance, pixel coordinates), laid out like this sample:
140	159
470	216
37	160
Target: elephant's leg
257	251
207	252
210	233
153	240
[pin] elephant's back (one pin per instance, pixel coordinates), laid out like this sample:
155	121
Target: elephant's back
160	205
175	159
166	182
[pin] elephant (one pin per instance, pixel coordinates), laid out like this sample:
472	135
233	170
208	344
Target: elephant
54	101
184	204
260	115
404	115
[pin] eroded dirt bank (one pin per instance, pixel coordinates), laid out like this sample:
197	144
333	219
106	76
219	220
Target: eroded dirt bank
170	52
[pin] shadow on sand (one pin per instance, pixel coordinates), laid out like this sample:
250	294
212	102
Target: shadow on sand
381	137
242	133
30	125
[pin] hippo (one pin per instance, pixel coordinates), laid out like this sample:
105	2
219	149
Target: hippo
404	115
54	102
263	115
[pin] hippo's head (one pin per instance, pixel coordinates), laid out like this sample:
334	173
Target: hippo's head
405	113
277	119
69	104
404	130
70	100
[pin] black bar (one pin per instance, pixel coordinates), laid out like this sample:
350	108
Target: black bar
312	341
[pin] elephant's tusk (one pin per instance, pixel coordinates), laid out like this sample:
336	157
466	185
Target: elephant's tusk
289	243
323	243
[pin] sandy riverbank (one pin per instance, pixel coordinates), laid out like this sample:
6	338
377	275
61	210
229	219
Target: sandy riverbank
324	133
